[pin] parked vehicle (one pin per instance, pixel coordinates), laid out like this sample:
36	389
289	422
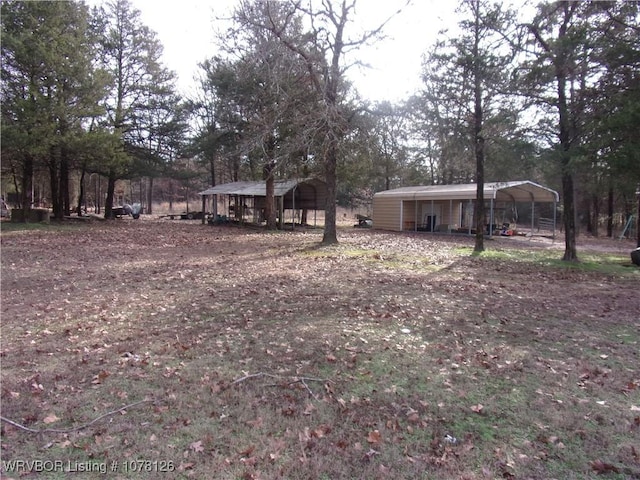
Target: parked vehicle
134	210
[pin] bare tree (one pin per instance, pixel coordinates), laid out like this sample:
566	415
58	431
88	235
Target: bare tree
322	50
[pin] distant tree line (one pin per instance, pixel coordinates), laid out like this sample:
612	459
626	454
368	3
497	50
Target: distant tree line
549	93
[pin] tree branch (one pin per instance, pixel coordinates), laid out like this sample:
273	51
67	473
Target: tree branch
301	380
74	429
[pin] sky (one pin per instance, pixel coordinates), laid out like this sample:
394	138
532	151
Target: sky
186	29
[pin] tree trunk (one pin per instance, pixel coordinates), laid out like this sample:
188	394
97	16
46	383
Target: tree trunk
267	173
54	185
27	185
269	210
478	137
610	211
65	196
82	193
570	252
561	52
595	225
111	189
562	70
149	209
98	193
330	236
212	170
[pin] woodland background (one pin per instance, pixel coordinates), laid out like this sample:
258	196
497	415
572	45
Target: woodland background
90	115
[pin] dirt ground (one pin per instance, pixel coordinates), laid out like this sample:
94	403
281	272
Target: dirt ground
224	352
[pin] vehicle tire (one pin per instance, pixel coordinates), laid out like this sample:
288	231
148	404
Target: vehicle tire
189	216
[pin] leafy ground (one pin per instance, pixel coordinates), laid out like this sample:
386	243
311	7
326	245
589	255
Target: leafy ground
242	354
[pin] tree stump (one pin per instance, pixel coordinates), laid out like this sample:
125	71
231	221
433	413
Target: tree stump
635	256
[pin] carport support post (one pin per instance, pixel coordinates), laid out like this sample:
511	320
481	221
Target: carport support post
533	206
491	217
431	222
415	216
204	206
554	220
293	209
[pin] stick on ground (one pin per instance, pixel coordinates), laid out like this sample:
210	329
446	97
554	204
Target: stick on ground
74	429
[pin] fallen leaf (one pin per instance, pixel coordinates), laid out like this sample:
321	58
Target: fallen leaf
477	408
371	453
50	419
97	379
321	431
247	451
197	446
185	466
413	417
602	467
374	437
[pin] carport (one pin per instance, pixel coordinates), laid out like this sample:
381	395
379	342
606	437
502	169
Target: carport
244	201
449	208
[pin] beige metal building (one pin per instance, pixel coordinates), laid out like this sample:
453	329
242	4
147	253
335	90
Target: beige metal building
449	208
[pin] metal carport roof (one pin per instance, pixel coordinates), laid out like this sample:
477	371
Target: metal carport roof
252	189
517	191
309	193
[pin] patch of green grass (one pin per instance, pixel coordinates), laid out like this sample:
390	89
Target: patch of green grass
10	227
605	263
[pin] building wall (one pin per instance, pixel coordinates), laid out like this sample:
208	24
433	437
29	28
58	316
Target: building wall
386	213
410	215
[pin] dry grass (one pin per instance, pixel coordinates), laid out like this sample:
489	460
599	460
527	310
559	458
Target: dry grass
264	355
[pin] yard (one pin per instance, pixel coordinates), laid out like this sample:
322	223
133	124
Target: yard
151	349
